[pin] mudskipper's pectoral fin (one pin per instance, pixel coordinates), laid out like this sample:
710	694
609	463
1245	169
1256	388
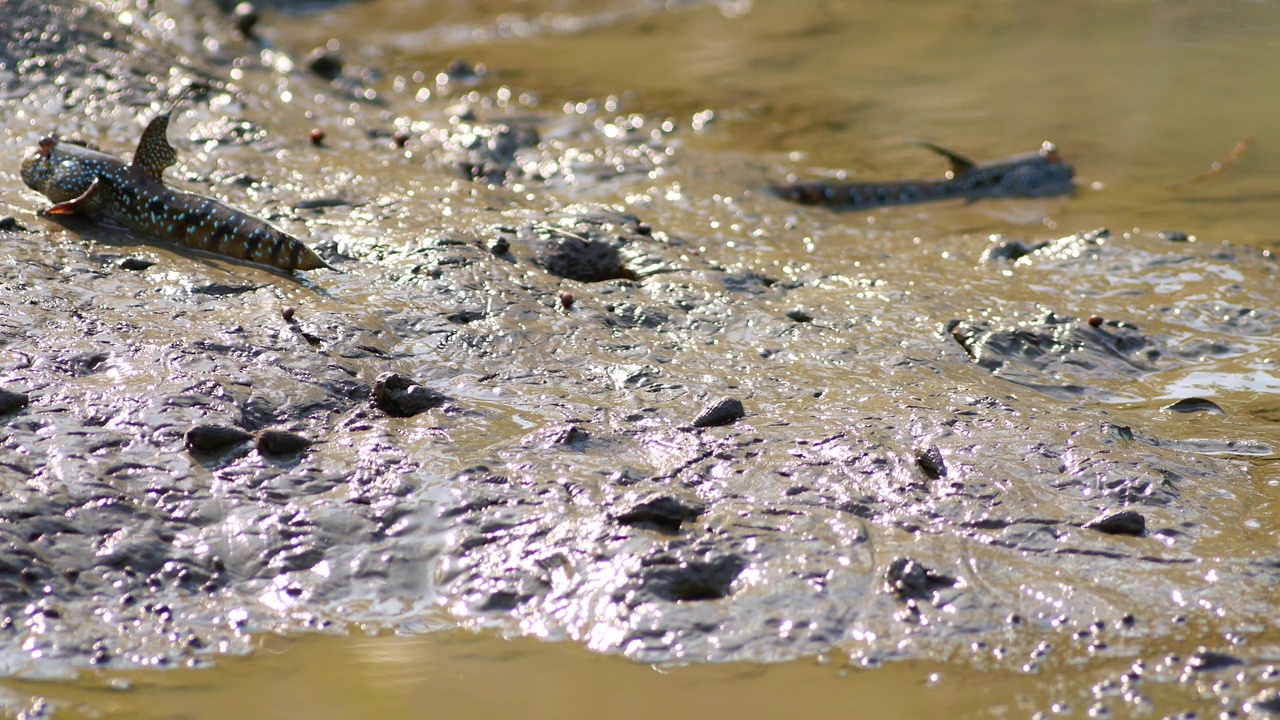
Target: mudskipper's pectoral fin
959	163
154	152
84	203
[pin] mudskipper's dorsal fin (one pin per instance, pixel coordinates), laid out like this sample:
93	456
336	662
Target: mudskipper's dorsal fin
154	152
959	163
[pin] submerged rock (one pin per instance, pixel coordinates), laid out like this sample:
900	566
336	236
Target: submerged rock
399	396
724	411
1123	522
280	442
211	438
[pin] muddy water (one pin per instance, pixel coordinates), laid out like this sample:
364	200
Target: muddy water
462	675
860	344
1137	97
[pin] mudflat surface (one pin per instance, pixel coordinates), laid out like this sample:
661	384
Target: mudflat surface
578	378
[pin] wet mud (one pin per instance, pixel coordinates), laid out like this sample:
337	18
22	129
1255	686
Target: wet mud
522	404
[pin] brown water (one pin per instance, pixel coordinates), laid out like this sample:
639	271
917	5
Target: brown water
459	675
1137	95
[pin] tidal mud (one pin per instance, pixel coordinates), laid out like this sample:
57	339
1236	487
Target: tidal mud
704	455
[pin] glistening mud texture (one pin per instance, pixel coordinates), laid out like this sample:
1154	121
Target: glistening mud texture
571	383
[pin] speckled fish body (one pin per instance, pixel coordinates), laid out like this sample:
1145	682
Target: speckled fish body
1029	175
79	178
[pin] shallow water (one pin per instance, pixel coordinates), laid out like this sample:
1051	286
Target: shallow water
1138	96
464	675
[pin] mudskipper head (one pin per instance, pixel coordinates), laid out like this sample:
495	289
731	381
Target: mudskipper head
1037	174
39	164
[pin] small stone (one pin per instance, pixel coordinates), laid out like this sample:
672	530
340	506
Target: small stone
1175	236
721	412
399	396
1009	250
287	314
316	137
566	435
930	461
1095	320
244	17
281	442
1207	661
460	69
1124	522
399	138
8	222
907	578
566	300
209	438
499	246
324	61
799	316
11	401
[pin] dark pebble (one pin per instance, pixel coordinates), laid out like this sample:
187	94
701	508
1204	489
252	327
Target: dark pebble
1010	250
460	69
281	442
1195	404
1175	236
1124	522
909	579
324	61
135	263
316	137
499	245
1208	661
1095	321
400	396
567	434
7	222
930	461
721	412
208	438
10	401
566	300
799	316
244	17
399	138
287	314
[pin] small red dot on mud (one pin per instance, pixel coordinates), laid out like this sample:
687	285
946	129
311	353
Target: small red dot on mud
287	314
317	136
1095	320
566	300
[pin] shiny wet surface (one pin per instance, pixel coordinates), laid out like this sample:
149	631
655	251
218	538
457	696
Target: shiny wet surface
860	343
